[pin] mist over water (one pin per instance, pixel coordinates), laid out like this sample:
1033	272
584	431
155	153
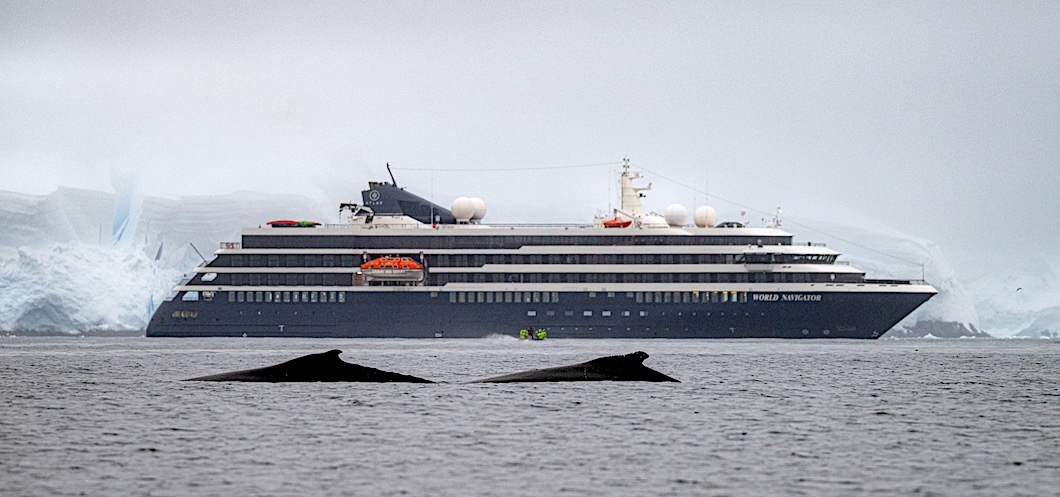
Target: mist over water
751	417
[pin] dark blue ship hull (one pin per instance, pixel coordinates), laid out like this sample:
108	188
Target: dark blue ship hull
577	315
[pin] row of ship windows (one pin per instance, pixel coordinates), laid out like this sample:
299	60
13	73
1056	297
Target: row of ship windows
333	279
286	296
638	297
478	260
496	241
759	277
473	297
288	279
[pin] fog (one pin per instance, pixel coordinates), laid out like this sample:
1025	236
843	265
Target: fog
941	120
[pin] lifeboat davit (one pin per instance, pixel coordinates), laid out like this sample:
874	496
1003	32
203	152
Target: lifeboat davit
389	268
617	223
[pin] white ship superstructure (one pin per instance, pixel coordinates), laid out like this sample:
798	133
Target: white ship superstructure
403	267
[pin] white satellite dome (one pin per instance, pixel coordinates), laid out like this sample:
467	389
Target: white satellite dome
480	209
676	214
463	209
706	216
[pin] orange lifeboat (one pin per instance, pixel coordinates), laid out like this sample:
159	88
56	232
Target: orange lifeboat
617	223
389	268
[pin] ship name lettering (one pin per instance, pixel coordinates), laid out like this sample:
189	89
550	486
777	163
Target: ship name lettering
773	297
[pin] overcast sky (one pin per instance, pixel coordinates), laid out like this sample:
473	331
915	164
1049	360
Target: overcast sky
939	119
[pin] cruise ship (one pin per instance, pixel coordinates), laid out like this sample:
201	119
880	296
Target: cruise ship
402	266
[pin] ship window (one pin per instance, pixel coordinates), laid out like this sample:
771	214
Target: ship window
347	260
312	296
328	260
231	296
743	297
587	313
312	279
331	296
237	261
666	297
550	313
276	296
294	296
531	313
592	294
304	295
643	313
695	297
518	297
605	313
286	296
537	297
312	260
461	297
724	296
640	297
342	296
258	297
489	297
508	297
686	298
625	313
546	297
240	296
452	297
714	297
480	297
273	260
555	297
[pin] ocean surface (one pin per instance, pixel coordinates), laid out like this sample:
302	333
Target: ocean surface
111	416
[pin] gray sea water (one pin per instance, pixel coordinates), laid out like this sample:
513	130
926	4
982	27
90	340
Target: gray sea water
103	416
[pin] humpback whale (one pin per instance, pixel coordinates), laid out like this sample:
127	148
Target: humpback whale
627	367
325	366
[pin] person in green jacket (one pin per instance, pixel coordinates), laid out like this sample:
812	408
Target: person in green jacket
541	334
523	334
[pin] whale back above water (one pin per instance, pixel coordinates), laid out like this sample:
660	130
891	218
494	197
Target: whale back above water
325	366
629	367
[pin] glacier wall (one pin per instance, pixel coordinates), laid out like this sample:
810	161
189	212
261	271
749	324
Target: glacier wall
81	260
